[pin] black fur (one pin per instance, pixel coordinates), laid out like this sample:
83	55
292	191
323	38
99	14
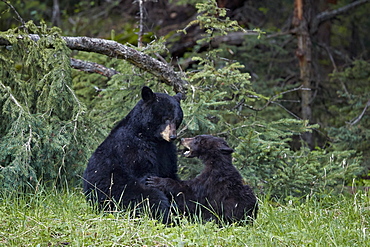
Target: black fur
139	146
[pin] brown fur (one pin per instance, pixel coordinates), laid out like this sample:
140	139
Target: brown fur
218	192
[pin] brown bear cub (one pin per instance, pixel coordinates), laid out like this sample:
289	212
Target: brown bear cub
218	193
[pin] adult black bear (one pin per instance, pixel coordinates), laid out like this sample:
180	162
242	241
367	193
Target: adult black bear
139	146
218	192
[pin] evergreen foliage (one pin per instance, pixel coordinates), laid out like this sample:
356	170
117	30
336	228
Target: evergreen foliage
43	124
269	164
222	102
354	97
47	133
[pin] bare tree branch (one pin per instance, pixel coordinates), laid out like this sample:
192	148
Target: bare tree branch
16	12
273	98
327	15
357	119
233	38
91	67
114	49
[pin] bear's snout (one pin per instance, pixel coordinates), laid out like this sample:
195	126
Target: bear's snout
173	137
169	133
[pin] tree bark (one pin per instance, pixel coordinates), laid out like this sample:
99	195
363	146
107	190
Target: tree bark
91	67
55	19
304	54
114	49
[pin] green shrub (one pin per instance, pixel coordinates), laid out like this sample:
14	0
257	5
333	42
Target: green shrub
43	129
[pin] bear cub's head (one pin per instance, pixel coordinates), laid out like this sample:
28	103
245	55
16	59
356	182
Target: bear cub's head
202	145
161	114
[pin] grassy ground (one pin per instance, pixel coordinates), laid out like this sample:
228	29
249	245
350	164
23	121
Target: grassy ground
64	219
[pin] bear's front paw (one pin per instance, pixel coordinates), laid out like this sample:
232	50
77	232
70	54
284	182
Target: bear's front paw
153	182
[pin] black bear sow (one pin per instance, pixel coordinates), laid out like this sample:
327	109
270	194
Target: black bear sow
139	146
218	192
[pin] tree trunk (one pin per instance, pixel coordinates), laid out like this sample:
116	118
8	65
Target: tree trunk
55	19
306	21
301	20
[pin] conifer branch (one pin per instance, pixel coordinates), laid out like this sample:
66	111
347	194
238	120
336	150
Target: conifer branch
27	145
114	49
12	97
78	102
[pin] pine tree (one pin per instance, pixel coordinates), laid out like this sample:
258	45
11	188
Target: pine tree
221	101
47	134
44	129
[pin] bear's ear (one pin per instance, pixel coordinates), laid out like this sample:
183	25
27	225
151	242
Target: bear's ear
178	97
147	94
226	150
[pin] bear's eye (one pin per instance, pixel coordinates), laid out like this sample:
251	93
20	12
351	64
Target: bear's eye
198	140
166	120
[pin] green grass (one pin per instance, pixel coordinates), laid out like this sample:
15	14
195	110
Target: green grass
65	219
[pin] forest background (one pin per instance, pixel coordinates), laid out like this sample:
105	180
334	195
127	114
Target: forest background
287	83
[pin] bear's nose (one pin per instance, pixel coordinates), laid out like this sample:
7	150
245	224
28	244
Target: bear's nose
173	137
